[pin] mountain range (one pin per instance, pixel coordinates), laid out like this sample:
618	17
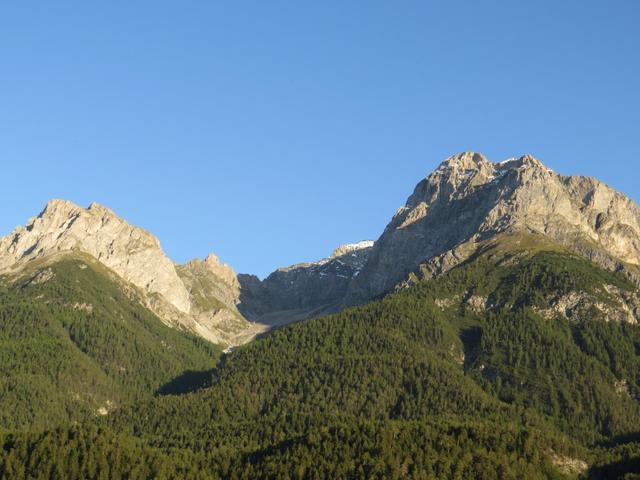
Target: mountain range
491	331
464	202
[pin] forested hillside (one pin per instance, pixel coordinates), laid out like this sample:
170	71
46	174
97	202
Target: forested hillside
73	345
520	363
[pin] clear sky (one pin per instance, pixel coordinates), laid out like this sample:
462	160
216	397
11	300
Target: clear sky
269	132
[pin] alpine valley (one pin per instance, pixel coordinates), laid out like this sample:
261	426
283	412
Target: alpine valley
491	331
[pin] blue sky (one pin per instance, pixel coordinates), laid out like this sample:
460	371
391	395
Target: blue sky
270	132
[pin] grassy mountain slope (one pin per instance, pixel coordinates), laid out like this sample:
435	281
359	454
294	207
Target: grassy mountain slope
73	343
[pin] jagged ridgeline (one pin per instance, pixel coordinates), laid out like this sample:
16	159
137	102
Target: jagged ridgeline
503	342
205	297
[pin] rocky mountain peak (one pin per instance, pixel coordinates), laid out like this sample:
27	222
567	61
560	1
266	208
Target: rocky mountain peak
101	210
468	199
530	160
465	160
461	167
57	204
131	252
473	169
352	248
221	270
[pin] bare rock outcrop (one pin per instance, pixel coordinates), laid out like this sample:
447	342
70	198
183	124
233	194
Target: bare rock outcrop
304	290
215	293
210	283
469	199
131	252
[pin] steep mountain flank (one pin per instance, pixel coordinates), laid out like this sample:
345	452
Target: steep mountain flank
174	293
214	289
304	290
134	254
75	342
468	199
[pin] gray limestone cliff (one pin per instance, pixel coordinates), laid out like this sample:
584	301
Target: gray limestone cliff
303	290
468	199
131	252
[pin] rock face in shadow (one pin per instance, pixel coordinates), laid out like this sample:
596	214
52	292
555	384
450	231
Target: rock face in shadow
304	290
468	199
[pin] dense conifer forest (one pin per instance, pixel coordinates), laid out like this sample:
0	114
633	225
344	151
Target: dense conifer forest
474	374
